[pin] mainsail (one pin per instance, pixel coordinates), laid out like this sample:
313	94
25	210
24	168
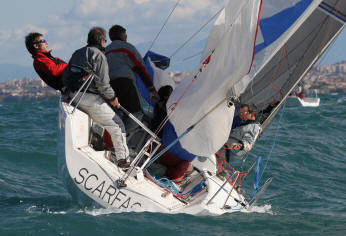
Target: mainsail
292	34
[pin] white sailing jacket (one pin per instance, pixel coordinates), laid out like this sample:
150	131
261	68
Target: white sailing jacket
246	135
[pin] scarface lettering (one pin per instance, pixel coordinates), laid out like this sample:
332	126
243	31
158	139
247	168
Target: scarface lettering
117	197
99	188
137	203
126	203
80	174
85	183
110	194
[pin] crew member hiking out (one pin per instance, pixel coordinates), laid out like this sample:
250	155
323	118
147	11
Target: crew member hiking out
49	68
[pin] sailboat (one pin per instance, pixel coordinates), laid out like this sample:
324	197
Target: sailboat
304	100
257	52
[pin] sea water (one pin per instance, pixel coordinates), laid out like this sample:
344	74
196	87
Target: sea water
306	197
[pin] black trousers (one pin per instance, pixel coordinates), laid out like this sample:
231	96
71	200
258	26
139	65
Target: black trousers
126	93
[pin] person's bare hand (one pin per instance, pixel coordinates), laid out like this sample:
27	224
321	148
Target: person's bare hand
115	103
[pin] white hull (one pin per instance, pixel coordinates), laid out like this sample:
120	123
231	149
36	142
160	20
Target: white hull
87	171
309	102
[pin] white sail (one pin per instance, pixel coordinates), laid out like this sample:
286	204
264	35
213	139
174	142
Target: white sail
230	47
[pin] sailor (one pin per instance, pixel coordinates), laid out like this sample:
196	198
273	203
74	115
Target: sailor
299	91
49	68
243	137
262	115
124	63
99	95
160	112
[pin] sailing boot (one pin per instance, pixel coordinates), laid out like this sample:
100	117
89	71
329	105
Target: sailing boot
122	163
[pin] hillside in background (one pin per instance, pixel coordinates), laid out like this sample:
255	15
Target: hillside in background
323	79
327	79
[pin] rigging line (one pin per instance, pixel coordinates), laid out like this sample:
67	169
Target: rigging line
172	108
203	65
253	54
223	161
164	24
230	26
187	58
184	133
217	13
277	71
194	34
274	141
174	105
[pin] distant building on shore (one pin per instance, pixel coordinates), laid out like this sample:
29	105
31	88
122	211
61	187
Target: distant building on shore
323	79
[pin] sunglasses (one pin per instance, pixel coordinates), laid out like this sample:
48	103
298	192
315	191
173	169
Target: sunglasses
40	41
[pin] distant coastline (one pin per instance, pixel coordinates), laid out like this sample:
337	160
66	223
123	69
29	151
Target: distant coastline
324	79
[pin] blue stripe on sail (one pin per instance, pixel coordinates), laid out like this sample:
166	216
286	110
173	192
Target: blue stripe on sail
140	85
177	150
273	27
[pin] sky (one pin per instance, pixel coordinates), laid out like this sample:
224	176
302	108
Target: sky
65	24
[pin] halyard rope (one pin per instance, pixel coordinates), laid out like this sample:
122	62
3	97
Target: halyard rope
164	24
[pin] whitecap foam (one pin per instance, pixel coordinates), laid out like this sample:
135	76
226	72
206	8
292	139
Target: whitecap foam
106	211
260	209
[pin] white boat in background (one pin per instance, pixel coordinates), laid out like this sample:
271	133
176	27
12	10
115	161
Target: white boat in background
307	101
246	58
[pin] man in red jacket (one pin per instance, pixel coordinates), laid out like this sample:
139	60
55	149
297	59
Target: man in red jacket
49	68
